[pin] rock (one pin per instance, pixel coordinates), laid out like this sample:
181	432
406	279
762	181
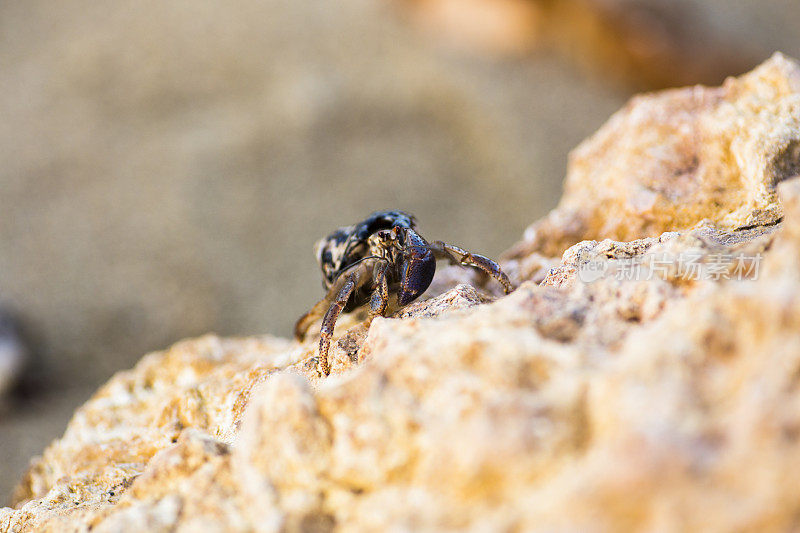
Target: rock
643	384
670	160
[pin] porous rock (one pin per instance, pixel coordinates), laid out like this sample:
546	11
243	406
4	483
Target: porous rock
594	400
670	160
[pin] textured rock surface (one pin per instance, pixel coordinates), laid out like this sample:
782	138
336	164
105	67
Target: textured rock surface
583	401
672	159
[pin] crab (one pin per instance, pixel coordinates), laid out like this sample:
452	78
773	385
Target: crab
381	261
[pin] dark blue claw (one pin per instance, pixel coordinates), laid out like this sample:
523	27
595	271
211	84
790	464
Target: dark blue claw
416	274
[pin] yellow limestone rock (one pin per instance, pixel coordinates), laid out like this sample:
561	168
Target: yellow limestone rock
669	160
589	401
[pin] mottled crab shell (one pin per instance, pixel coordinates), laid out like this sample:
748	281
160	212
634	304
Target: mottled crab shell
330	253
348	244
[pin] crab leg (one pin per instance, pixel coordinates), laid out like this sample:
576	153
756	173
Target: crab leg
305	321
458	256
329	322
335	301
380	296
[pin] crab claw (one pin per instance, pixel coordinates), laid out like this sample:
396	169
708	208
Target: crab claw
416	274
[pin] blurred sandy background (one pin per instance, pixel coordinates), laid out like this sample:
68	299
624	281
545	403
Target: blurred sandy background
167	166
